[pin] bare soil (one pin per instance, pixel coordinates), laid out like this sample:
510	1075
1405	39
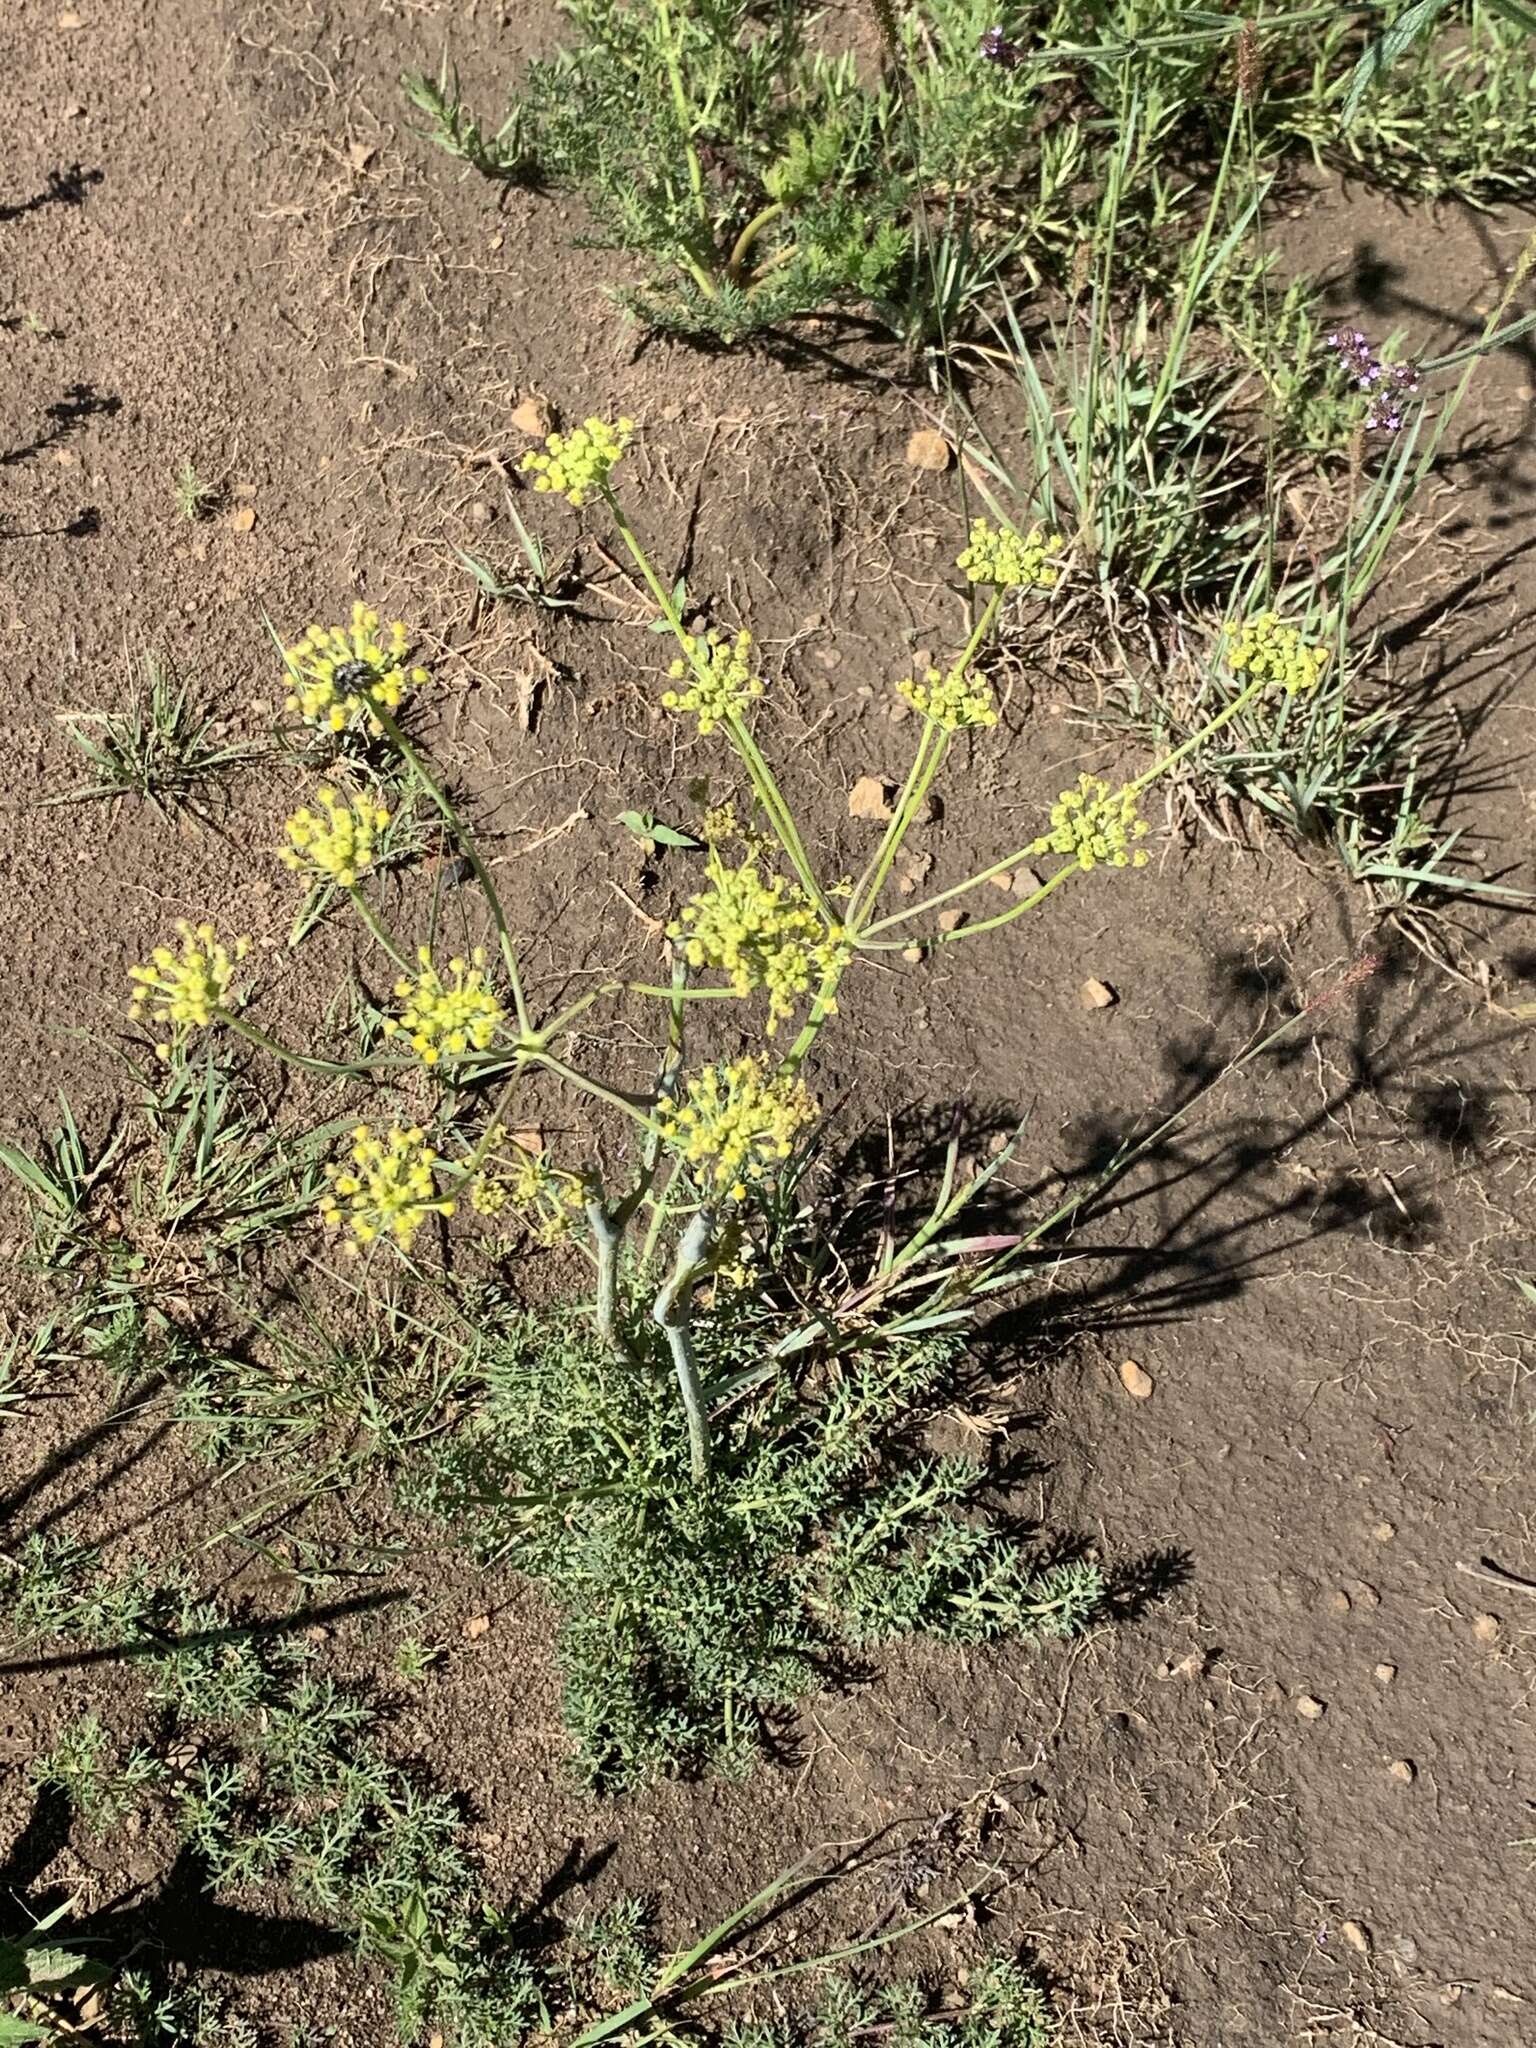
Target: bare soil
237	252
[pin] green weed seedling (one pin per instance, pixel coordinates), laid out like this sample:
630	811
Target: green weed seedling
162	748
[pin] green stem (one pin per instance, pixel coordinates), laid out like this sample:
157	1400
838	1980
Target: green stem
608	1237
360	905
920	780
683	110
763	784
672	1312
356	1069
1197	739
749	235
588	1086
471	853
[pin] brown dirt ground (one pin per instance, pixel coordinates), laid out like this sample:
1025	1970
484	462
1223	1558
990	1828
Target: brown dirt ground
241	255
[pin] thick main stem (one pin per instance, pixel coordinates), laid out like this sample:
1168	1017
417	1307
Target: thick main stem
607	1237
672	1313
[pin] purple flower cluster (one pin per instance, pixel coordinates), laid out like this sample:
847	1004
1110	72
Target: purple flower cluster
997	49
1390	384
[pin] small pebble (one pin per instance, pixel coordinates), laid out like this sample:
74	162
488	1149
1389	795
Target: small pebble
1486	1628
1357	1936
1097	995
1401	1769
1310	1709
1025	882
1339	1602
951	920
477	1626
1004	881
480	512
1384	1532
1385	1674
1366	1594
912	953
928	450
535	417
1136	1380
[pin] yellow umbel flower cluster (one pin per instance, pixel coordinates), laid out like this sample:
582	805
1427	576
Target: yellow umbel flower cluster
1266	650
960	697
185	989
578	463
722	680
760	931
737	1124
339	674
549	1198
1009	560
337	840
388	1188
1093	824
454	1016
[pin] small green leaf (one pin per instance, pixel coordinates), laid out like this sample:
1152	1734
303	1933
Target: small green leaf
645	826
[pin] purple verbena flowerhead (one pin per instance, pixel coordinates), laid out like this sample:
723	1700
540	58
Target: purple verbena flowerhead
1389	385
997	49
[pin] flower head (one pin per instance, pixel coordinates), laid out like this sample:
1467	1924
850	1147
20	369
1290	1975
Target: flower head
997	49
548	1197
960	697
387	1188
341	676
1094	824
1390	385
1009	560
1268	651
761	932
337	840
578	463
185	989
454	1016
736	1124
722	680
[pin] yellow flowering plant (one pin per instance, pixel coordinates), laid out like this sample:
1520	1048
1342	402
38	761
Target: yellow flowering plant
767	928
348	679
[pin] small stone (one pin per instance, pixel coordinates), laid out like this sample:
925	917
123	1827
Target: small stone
1004	881
928	450
1405	1948
1366	1594
1383	1532
1136	1380
1402	1770
907	884
480	512
534	417
477	1626
1386	1674
530	1141
1026	882
1097	995
241	519
71	18
870	797
1309	1708
1339	1602
951	920
912	953
1451	1995
1357	1936
1486	1628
